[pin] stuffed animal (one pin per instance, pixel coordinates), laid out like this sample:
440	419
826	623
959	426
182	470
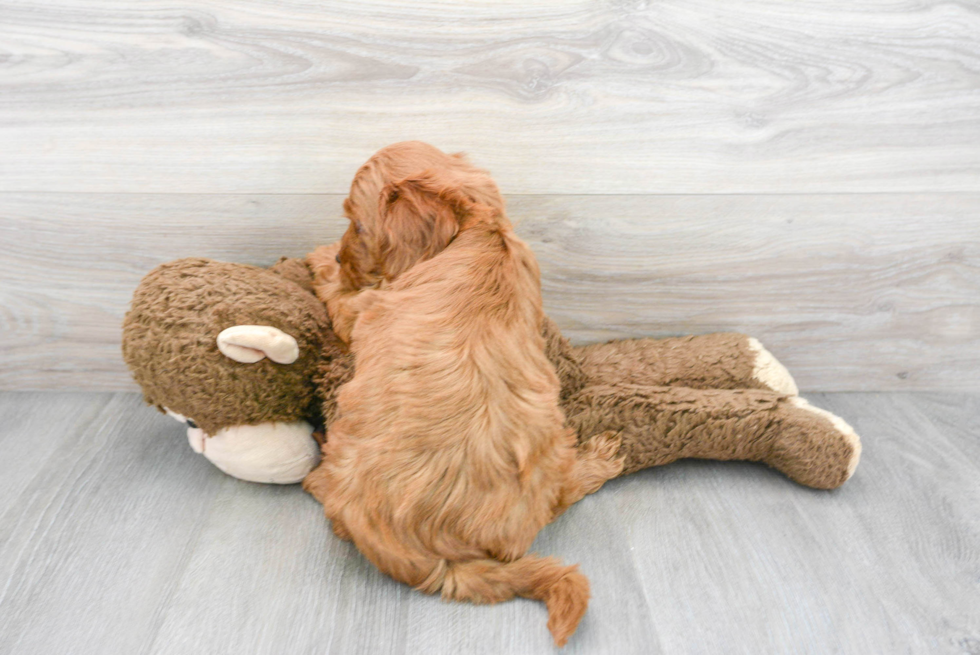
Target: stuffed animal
246	357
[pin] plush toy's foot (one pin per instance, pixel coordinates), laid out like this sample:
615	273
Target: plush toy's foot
769	372
723	360
813	446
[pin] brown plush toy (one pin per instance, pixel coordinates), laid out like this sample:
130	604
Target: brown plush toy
246	357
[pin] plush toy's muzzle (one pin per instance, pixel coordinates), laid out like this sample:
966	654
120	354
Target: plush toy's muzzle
236	350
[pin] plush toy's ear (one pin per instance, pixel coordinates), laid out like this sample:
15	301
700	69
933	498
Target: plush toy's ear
420	216
251	343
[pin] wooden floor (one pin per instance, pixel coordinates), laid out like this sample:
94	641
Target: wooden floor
116	538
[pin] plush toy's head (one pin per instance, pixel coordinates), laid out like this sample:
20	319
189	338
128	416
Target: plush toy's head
236	350
247	359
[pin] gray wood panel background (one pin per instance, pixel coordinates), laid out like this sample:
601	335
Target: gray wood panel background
806	172
849	291
555	97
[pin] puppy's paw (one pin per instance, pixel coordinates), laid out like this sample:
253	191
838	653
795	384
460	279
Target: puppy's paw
598	461
326	270
323	262
340	530
603	446
315	484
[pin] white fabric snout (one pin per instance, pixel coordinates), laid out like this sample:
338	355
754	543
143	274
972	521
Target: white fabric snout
196	437
252	343
277	453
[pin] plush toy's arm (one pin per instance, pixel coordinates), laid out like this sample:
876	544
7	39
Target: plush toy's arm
294	270
661	424
565	359
724	360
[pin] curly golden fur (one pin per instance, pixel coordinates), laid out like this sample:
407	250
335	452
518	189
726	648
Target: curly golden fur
450	452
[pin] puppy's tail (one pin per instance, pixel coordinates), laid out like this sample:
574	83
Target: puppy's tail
563	589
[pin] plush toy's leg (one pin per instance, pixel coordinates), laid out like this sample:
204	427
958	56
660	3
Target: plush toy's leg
661	424
725	360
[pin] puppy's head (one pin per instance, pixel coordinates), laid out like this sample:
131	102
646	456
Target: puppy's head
406	204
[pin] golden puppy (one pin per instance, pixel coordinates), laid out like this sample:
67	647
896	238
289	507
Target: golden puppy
450	451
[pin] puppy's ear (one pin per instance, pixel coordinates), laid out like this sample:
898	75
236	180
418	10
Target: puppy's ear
420	216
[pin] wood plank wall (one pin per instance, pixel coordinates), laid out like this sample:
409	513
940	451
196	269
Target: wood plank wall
807	172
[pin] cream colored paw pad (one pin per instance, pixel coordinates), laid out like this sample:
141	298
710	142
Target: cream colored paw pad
770	372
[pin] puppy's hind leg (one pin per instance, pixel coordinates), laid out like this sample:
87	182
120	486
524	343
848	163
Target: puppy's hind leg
316	485
596	462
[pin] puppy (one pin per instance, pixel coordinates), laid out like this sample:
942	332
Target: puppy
450	452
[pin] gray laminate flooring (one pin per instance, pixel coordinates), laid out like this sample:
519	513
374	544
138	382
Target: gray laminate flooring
116	538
